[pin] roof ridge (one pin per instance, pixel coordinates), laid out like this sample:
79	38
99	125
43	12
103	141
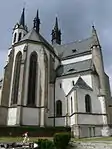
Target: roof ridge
79	86
81	79
77	41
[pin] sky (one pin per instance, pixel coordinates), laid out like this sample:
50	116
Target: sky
75	20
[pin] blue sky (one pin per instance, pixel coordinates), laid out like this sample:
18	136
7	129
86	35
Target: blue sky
75	20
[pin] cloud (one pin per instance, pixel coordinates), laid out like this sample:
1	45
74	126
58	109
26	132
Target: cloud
75	20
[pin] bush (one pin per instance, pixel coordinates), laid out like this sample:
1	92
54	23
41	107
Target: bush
61	140
45	144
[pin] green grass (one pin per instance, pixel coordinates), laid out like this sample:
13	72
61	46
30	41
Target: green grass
93	139
33	139
19	139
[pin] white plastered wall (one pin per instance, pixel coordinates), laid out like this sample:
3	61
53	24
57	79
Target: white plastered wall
96	108
66	83
66	86
12	114
77	59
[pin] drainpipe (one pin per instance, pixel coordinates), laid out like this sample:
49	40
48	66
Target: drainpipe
54	102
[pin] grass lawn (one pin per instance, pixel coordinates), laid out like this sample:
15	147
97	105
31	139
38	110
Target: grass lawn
100	139
33	139
19	139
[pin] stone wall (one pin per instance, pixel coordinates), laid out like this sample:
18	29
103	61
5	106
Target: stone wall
90	145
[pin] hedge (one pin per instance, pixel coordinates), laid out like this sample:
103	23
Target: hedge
33	131
45	144
61	140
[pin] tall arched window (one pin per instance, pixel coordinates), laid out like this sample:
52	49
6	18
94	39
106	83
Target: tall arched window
15	37
58	108
32	79
19	37
71	105
46	78
88	104
16	78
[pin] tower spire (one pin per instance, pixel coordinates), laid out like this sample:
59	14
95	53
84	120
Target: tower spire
36	21
95	36
22	19
56	24
56	33
20	29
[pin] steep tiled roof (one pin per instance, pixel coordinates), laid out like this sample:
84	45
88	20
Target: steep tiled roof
74	67
74	48
32	35
81	84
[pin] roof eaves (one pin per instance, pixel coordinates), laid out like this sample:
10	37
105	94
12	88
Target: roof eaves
35	42
76	55
76	72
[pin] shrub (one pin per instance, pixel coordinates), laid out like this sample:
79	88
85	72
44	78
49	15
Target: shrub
61	140
45	144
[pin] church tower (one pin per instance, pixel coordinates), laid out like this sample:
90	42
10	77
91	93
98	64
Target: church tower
98	60
103	92
20	29
56	34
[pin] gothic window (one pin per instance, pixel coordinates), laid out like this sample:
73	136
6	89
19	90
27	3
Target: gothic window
88	103
32	79
16	77
71	105
19	37
46	78
74	50
73	83
60	85
15	37
58	108
52	71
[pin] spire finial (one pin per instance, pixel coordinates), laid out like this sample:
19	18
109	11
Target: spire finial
36	21
56	24
22	19
93	30
95	36
56	33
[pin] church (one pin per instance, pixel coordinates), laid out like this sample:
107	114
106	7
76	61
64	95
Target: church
53	84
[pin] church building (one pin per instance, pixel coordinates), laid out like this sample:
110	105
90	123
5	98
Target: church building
53	84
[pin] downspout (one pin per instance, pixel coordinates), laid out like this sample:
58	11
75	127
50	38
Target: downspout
54	95
54	103
78	127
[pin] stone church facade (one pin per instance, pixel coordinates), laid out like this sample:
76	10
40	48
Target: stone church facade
55	85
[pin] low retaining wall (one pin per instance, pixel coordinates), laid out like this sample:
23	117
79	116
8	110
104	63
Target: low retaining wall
90	145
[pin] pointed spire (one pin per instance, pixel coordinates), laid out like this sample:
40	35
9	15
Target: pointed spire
22	19
56	33
56	25
95	37
36	21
